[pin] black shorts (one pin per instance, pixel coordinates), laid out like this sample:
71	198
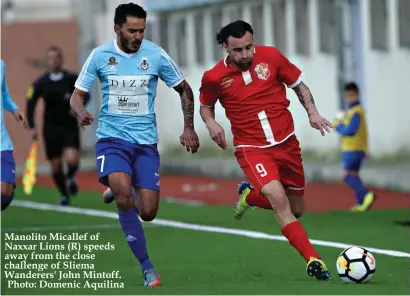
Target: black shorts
58	139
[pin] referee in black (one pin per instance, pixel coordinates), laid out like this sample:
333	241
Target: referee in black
60	129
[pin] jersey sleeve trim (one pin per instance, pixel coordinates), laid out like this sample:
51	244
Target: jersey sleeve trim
176	83
84	70
178	73
81	88
207	106
297	81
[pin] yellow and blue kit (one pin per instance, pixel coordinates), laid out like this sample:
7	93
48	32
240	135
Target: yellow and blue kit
354	144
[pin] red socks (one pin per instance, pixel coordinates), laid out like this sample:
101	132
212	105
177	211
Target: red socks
294	232
298	238
256	199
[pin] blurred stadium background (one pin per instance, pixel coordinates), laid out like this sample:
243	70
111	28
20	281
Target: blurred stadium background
332	41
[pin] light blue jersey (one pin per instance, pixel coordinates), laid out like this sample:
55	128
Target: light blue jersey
8	104
129	86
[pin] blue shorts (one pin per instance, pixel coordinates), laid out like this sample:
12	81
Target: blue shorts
8	168
352	160
141	162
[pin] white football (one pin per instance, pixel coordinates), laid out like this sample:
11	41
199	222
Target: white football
356	265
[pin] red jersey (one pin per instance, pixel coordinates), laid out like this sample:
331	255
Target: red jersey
254	100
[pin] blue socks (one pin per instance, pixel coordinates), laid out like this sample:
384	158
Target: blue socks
6	201
134	234
358	187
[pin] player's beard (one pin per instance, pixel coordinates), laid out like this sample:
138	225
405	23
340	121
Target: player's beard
243	65
127	45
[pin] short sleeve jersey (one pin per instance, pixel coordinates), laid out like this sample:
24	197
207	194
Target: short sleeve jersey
254	100
129	86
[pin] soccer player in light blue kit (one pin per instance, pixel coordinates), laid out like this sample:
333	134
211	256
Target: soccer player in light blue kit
126	150
8	166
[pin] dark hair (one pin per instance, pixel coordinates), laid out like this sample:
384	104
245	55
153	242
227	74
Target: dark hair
352	86
55	48
236	29
130	9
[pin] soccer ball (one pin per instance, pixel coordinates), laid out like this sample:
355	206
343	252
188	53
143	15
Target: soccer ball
356	265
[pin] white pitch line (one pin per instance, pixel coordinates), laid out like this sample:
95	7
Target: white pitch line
197	227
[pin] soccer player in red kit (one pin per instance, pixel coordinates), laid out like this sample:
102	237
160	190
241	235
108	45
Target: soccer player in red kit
250	85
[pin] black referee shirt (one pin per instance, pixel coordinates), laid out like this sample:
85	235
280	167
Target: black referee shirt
56	90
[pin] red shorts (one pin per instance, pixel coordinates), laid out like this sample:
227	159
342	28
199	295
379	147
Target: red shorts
282	162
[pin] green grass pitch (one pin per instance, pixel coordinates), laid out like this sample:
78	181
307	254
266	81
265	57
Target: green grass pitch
198	262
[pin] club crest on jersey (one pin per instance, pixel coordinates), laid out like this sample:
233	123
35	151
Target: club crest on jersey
262	70
226	82
144	64
112	62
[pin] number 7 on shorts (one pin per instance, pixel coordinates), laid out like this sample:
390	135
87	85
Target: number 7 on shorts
102	157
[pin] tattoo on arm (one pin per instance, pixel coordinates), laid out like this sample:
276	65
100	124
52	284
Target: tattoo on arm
305	97
187	102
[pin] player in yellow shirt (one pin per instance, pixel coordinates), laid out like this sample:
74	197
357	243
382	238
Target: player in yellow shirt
352	127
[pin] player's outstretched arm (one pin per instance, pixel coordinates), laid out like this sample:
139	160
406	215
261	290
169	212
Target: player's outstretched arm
306	99
8	102
77	104
20	118
189	138
216	131
208	96
207	113
12	107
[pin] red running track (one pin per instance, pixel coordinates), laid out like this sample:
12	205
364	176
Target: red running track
318	196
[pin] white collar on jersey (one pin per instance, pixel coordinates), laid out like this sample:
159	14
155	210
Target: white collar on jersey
226	65
56	76
127	55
